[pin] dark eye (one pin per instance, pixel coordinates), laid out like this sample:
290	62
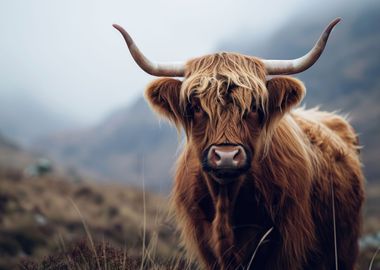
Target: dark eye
231	87
252	112
253	107
197	108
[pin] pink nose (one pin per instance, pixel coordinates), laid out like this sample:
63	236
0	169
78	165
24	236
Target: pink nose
227	157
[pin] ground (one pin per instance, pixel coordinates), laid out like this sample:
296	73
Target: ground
58	215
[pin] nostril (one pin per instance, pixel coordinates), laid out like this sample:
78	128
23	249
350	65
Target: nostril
241	156
237	154
216	155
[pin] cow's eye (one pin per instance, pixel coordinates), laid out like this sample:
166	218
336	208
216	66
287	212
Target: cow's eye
197	111
253	107
197	108
252	112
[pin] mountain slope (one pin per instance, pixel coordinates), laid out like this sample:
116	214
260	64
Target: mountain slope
12	155
24	118
127	146
43	215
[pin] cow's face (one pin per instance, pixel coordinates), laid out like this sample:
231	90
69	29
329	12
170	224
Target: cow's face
228	111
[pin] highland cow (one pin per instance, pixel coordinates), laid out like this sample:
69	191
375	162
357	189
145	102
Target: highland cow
260	184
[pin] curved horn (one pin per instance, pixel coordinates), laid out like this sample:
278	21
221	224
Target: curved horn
170	69
277	67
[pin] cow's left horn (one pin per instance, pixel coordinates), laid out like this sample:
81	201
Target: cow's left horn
169	69
277	67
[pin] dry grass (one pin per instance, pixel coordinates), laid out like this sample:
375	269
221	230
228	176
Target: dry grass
54	222
100	256
39	214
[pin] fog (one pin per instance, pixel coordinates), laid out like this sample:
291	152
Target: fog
68	56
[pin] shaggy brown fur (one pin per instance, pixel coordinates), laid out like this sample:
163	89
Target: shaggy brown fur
297	157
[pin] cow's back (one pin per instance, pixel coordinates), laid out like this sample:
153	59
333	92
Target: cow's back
337	124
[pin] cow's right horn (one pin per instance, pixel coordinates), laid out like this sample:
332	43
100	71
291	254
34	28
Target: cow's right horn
170	69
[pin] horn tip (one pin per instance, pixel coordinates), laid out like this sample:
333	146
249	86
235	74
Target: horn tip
116	26
331	25
336	21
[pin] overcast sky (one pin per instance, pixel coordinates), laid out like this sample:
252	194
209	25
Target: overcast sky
67	54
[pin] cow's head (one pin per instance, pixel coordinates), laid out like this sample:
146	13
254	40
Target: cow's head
226	104
226	109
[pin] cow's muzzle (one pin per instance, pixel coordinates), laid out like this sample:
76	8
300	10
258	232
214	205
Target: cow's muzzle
225	162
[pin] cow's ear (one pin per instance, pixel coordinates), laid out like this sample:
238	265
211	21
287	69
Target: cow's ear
284	93
163	96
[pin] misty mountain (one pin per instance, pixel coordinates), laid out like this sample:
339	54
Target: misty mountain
129	145
14	156
24	118
132	144
6	144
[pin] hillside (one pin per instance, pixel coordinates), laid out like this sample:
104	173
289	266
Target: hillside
50	222
25	118
13	156
48	214
128	145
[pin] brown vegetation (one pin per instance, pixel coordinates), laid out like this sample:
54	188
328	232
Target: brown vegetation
46	215
28	241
